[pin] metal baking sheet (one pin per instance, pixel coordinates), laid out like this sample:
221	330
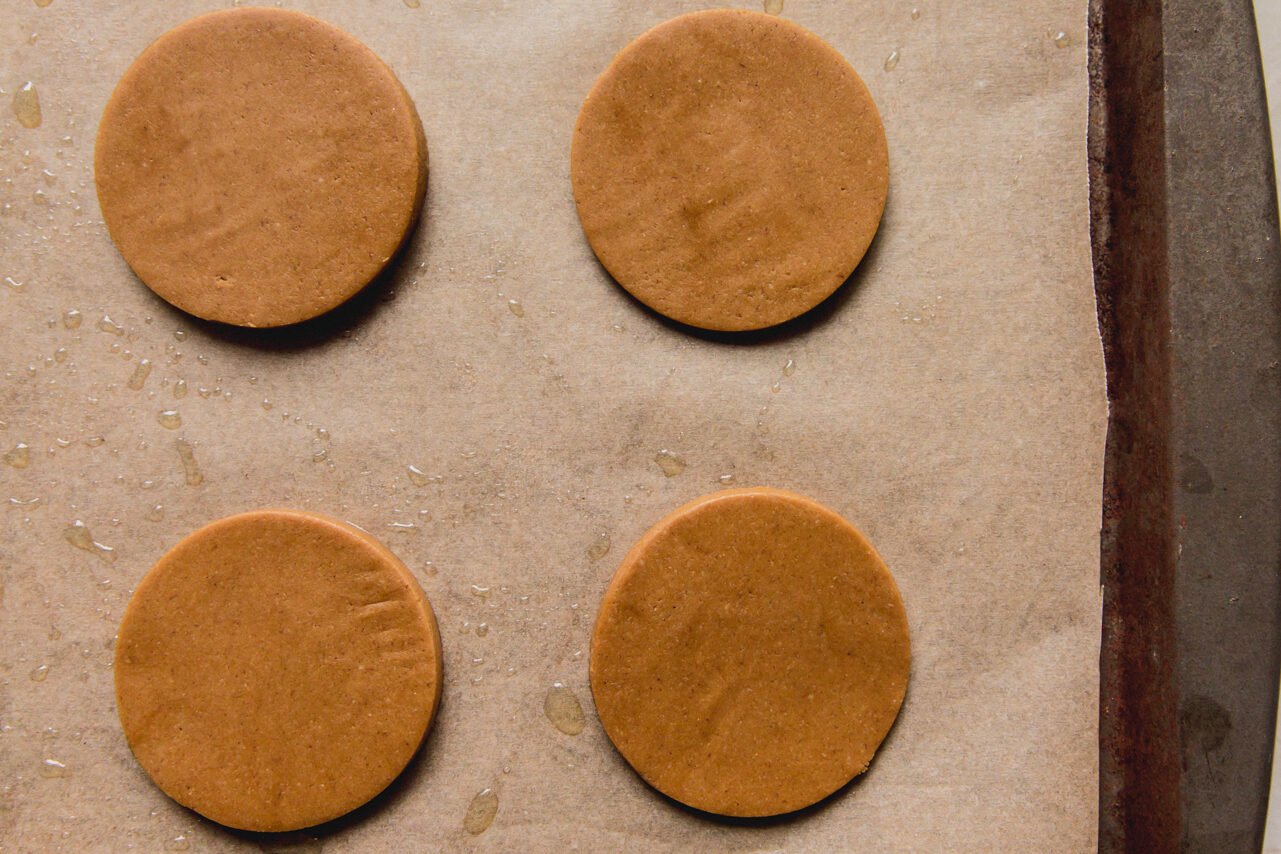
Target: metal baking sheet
1188	272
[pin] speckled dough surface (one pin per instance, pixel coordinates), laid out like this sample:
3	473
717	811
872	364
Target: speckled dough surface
259	167
751	653
730	169
276	670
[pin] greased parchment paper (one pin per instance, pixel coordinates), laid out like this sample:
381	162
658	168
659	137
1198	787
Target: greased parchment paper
949	401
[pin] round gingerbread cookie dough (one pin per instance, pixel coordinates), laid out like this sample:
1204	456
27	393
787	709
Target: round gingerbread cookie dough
750	654
730	169
276	670
259	167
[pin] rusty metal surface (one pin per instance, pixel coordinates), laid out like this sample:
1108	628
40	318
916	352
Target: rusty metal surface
1189	282
1139	805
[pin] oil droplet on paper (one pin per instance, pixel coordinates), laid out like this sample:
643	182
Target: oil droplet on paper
413	4
599	548
761	427
95	441
1061	39
140	373
178	843
417	476
514	306
180	389
482	630
78	534
71	319
481	812
478	590
891	61
26	105
156	513
189	467
13	284
60	355
789	367
916	14
19	457
169	419
725	479
562	708
40	673
106	324
773	7
43	3
52	769
671	464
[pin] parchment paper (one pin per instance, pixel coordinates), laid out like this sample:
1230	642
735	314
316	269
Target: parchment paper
949	401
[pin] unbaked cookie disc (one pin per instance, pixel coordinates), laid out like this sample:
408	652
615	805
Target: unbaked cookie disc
750	654
730	169
259	167
276	670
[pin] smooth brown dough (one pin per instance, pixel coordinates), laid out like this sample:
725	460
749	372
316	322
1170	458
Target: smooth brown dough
750	654
276	670
259	167
730	169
